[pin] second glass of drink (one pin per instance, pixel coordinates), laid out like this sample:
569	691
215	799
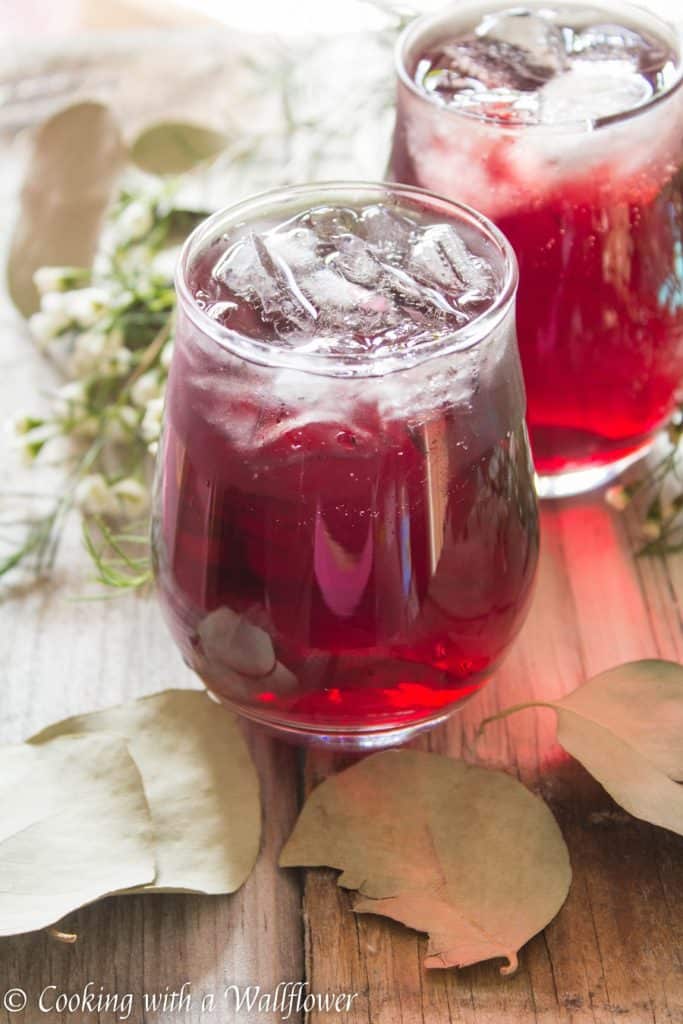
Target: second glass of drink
564	124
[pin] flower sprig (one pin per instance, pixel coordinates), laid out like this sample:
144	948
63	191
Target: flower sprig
111	329
658	490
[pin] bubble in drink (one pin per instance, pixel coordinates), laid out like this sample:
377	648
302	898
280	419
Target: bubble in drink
545	66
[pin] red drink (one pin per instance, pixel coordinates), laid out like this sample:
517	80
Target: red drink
346	530
565	125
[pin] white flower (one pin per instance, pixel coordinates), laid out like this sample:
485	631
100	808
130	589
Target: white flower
165	261
618	497
145	388
119	362
122	424
166	356
34	439
89	350
46	326
134	222
132	498
150	428
136	260
122	298
96	352
55	279
94	496
86	305
71	400
87	428
74	391
55	302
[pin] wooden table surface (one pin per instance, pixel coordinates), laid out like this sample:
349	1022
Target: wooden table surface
613	954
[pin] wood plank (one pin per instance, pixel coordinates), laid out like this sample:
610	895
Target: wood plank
614	952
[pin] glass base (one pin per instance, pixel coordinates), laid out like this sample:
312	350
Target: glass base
343	738
578	481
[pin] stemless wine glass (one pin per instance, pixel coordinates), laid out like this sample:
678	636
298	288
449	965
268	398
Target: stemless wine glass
564	124
345	527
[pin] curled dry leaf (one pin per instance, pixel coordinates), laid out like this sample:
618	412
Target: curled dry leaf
466	854
200	782
75	826
175	147
625	726
77	155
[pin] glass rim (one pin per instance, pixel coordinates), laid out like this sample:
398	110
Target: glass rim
268	352
414	28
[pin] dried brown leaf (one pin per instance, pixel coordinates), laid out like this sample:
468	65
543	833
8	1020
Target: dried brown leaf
466	854
76	157
75	826
625	726
200	782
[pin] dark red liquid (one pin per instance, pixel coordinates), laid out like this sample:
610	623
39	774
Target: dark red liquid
360	570
600	303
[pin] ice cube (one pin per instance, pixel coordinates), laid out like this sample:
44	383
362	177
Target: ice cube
236	262
356	261
511	52
546	65
220	310
530	41
482	97
386	282
331	292
297	247
328	223
261	275
413	296
593	89
440	258
387	232
616	42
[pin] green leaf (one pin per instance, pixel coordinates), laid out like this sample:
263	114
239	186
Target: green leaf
175	147
200	782
74	827
182	222
76	157
466	854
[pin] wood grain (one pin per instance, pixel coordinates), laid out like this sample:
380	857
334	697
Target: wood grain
613	954
614	951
